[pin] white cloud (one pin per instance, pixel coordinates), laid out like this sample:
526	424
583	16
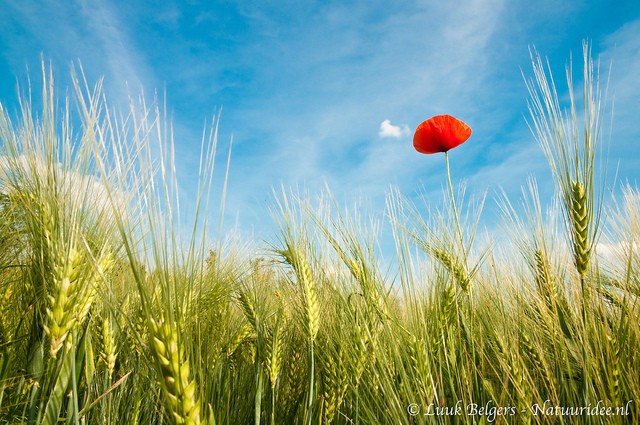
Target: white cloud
82	189
389	130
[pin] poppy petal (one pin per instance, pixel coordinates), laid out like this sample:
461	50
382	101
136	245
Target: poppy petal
440	134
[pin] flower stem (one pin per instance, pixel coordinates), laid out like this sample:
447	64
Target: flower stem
453	201
469	329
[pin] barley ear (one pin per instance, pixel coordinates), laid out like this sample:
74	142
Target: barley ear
179	389
336	382
108	354
60	313
273	361
296	259
248	308
614	375
580	221
359	354
455	267
545	280
419	355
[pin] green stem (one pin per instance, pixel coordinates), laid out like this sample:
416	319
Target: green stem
273	405
311	384
469	326
357	406
585	332
453	202
258	400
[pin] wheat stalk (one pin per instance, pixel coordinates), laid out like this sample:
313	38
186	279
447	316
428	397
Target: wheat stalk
245	333
108	353
273	360
614	363
570	151
298	262
580	219
178	387
419	355
60	312
292	385
273	356
249	310
361	345
545	280
336	382
454	266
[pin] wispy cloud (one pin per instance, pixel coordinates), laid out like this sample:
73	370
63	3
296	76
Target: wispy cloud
110	35
93	33
619	51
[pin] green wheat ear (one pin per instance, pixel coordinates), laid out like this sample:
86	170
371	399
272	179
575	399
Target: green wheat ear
60	312
275	349
614	373
580	221
108	353
545	281
336	382
454	266
296	259
179	388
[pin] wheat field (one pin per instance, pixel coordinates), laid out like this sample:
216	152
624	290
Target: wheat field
111	313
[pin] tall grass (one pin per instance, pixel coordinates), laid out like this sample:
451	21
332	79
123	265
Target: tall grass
112	313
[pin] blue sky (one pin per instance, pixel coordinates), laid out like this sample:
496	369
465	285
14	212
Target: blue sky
331	91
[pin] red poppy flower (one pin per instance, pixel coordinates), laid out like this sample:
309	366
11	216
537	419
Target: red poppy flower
440	134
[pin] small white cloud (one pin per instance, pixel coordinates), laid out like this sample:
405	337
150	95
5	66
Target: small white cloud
389	130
